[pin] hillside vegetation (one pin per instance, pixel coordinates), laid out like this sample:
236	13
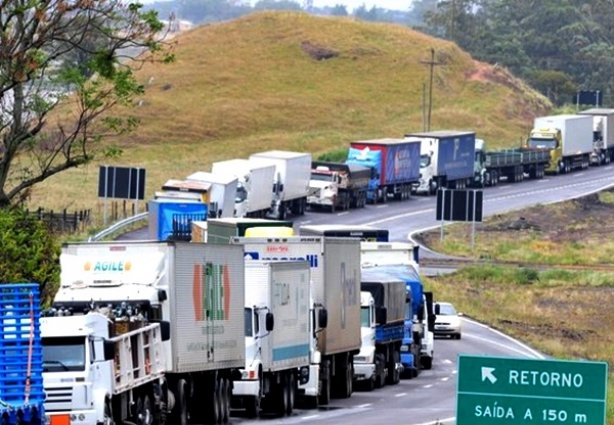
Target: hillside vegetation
281	80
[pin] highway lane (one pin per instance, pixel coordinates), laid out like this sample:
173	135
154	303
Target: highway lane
427	399
431	397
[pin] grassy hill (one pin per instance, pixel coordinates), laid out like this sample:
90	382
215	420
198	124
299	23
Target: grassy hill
299	82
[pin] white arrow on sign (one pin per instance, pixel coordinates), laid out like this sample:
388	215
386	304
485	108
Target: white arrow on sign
487	373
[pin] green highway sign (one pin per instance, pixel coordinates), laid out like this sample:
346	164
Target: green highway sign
515	391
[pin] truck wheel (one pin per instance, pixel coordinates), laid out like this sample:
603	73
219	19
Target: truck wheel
225	399
291	384
380	371
252	406
325	389
180	410
426	362
393	376
108	412
144	411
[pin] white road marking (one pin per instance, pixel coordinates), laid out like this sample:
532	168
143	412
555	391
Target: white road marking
440	421
362	406
579	174
400	395
427	386
309	417
445	378
342	213
372	223
382	206
446	361
305	222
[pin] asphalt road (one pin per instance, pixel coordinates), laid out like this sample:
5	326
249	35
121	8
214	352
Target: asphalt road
427	399
430	398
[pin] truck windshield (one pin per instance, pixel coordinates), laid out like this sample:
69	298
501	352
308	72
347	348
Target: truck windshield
63	354
540	143
322	177
425	161
241	194
364	317
249	329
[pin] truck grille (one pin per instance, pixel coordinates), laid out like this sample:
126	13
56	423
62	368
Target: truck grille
58	399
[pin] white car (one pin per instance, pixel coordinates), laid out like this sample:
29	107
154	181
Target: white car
448	321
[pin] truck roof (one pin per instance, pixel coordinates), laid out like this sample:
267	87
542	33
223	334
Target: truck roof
440	133
597	111
279	154
387	141
203	176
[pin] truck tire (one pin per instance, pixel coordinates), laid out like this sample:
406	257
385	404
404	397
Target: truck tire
291	384
324	397
226	395
426	362
108	412
380	370
180	410
144	410
393	376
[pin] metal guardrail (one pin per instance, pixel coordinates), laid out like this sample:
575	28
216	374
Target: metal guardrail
118	226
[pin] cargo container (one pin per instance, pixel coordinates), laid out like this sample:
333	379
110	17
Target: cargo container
175	308
395	165
170	219
568	138
254	186
446	159
277	336
222	229
290	183
603	134
222	193
335	278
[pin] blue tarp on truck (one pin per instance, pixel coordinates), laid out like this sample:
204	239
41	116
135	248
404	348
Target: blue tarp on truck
21	355
172	220
399	160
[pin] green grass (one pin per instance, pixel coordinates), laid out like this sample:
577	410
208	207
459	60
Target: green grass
248	85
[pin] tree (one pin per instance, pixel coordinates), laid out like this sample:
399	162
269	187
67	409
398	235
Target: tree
30	252
339	10
64	66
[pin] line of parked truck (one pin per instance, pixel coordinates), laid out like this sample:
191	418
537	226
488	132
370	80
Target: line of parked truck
179	332
277	184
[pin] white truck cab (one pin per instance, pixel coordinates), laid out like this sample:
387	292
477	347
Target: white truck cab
364	362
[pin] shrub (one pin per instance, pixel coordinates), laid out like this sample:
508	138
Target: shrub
29	252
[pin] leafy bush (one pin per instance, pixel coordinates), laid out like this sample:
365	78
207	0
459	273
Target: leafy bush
29	252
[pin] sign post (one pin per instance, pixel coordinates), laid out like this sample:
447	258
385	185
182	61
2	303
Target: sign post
511	391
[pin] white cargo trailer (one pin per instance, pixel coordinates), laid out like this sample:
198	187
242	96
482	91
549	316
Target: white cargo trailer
569	139
291	181
222	193
194	291
277	336
254	195
603	134
335	280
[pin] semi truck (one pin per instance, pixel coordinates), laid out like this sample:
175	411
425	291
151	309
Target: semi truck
21	355
335	287
395	165
446	159
146	332
400	260
603	134
509	164
568	138
277	336
335	185
221	230
290	184
254	185
383	302
222	193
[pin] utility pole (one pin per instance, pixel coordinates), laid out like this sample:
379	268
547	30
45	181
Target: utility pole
432	63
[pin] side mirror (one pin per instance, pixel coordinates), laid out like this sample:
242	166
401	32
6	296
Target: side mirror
437	309
269	322
165	330
322	318
108	348
381	315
